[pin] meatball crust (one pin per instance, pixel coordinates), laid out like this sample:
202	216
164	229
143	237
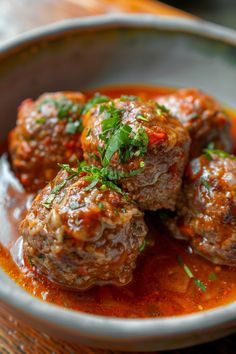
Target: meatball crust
79	235
47	132
206	212
157	147
202	116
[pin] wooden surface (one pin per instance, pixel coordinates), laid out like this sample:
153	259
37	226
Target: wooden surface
20	15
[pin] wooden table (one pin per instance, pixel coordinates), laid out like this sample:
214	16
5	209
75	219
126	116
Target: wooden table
15	337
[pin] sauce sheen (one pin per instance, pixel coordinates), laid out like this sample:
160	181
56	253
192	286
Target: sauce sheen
160	287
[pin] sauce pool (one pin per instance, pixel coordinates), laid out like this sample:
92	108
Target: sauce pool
160	286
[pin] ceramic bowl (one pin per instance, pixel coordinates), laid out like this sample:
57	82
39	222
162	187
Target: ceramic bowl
96	51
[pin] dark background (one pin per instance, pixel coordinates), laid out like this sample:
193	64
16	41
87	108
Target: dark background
219	11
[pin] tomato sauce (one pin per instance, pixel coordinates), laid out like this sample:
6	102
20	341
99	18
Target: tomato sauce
160	287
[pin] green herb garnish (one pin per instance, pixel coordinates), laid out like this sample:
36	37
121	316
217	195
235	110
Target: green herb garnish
47	203
129	98
74	205
161	109
209	154
141	117
118	137
105	176
212	276
65	107
96	99
192	116
88	132
74	127
58	187
205	183
143	246
53	194
41	120
118	141
200	284
189	273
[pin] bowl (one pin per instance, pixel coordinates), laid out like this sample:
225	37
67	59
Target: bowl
96	51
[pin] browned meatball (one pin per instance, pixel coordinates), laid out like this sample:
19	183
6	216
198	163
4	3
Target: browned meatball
79	233
202	116
47	132
206	213
146	146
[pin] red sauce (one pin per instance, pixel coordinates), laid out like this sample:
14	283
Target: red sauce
160	286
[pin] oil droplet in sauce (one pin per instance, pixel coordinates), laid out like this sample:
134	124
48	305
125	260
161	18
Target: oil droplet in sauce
160	286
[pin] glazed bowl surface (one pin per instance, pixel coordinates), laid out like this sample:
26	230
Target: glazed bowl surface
81	54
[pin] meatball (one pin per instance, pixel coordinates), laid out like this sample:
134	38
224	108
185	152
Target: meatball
47	132
79	233
202	116
206	212
147	148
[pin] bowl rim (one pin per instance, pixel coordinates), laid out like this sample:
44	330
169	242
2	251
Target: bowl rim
101	326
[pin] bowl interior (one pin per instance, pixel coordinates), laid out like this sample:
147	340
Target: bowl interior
104	55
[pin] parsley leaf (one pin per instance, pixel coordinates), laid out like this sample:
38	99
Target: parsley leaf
212	276
116	142
141	117
47	203
41	120
96	99
143	246
105	176
205	183
74	127
189	273
65	107
161	109
129	98
200	284
118	137
209	154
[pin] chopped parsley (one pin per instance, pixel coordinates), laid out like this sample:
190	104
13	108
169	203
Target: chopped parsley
88	132
74	127
161	109
141	117
105	177
142	164
209	154
94	156
47	203
101	205
205	183
200	284
120	138
74	205
189	273
143	246
58	187
41	120
212	276
118	141
96	99
65	107
129	98
192	116
211	146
